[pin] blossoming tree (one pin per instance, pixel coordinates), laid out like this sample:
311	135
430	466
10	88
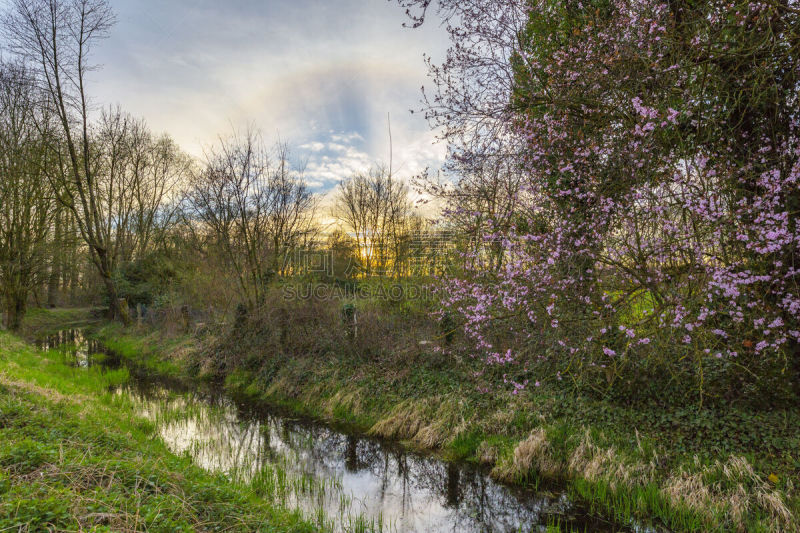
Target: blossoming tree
656	232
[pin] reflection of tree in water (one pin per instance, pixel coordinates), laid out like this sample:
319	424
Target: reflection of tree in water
414	492
452	491
351	462
76	348
475	503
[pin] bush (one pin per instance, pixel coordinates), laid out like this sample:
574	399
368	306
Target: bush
146	280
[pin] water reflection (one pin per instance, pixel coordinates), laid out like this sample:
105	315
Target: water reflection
343	482
77	349
341	476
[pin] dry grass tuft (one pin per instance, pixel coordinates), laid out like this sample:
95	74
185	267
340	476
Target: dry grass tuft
731	488
351	400
592	462
404	422
284	386
430	423
184	351
487	453
533	454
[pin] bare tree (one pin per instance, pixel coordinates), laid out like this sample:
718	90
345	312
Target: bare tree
138	176
26	200
56	36
160	171
373	207
290	220
255	210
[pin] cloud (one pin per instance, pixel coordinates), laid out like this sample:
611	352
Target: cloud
321	76
328	163
346	137
313	147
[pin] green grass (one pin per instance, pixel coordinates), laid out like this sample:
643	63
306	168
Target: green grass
74	457
145	351
41	322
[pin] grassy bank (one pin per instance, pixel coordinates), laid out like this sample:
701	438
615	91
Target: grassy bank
42	322
74	457
686	469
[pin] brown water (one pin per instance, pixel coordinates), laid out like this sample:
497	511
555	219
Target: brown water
342	481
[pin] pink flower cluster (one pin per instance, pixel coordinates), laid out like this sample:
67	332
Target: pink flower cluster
650	216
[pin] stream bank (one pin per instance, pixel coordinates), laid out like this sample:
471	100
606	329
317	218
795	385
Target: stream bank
608	457
74	457
339	480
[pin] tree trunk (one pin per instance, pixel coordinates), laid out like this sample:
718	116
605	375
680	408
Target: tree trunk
15	310
114	310
72	276
55	264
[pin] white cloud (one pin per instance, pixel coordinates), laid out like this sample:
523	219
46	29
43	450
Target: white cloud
317	74
313	147
346	137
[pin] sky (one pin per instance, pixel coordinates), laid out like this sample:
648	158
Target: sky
320	75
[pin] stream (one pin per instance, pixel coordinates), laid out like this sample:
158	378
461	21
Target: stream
342	481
